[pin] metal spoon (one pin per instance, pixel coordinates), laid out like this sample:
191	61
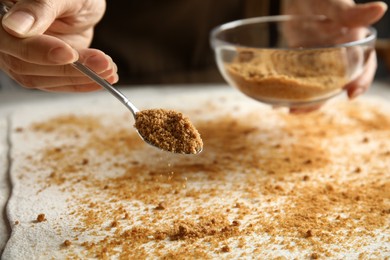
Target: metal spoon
115	92
5	7
122	98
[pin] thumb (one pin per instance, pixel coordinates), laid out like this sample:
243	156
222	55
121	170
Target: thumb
30	17
362	14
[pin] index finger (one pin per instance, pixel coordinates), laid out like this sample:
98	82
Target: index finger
40	49
357	15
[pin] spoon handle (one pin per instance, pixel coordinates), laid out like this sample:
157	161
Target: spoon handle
115	92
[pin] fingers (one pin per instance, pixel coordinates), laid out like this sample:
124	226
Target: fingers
34	17
77	88
363	82
16	66
41	49
46	82
63	78
355	15
27	18
42	62
87	87
343	12
81	88
99	63
96	60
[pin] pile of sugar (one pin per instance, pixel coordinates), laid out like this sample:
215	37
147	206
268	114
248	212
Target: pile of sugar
169	130
268	184
295	75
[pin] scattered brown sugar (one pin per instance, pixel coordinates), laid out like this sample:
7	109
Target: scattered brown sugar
223	202
308	234
225	249
169	130
84	162
235	223
67	243
292	75
114	224
161	206
41	217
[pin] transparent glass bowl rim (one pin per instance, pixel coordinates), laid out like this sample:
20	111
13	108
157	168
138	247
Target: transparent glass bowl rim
215	41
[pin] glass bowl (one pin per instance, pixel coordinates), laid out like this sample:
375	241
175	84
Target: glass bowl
290	61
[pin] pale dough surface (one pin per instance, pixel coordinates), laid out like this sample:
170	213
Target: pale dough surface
4	182
65	203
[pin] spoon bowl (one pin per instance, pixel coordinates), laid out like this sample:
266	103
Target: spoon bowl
165	123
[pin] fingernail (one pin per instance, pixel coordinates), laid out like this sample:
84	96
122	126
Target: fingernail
62	55
19	22
383	5
116	78
99	63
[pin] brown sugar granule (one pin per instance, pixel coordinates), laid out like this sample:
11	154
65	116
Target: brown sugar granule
17	222
168	130
235	223
329	187
67	243
161	206
289	74
308	233
314	256
184	231
84	162
114	224
237	205
279	188
41	217
225	249
308	161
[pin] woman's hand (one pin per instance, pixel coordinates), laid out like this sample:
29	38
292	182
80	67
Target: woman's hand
343	14
40	38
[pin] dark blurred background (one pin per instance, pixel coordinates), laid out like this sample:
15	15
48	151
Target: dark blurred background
167	42
383	28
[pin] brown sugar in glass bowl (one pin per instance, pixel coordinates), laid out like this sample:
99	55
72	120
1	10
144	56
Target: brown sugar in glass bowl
287	60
